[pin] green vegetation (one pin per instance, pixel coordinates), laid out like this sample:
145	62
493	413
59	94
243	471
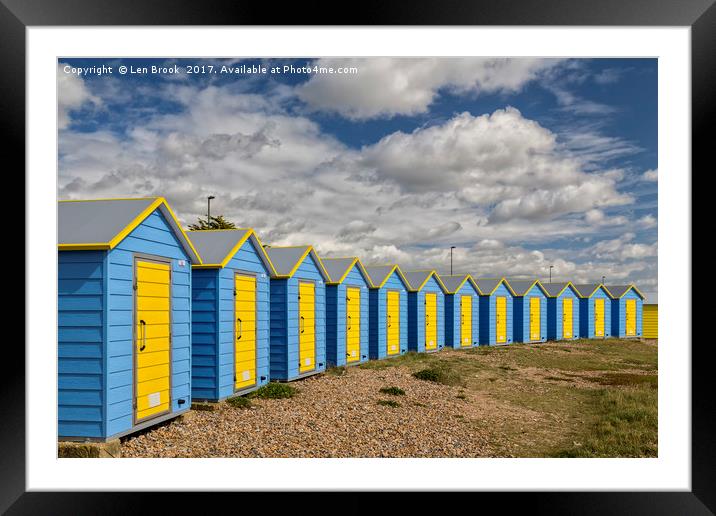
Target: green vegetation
337	371
218	222
581	398
275	390
389	403
394	391
239	402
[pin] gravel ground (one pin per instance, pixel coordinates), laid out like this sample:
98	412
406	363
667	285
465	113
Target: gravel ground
335	416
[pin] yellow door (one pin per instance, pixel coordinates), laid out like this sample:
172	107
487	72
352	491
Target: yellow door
501	319
306	327
431	320
567	318
466	321
535	319
152	336
630	314
244	331
352	324
393	322
599	317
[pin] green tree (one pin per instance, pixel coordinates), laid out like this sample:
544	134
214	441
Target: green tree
212	223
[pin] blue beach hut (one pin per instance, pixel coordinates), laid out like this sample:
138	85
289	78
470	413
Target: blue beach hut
595	311
124	317
627	310
562	311
426	311
462	311
388	312
529	310
496	311
298	313
346	311
230	314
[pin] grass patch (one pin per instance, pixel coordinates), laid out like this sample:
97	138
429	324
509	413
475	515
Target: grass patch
389	403
440	373
337	371
275	390
625	426
393	391
240	402
461	397
627	379
558	379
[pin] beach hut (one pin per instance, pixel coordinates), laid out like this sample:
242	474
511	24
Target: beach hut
650	316
462	311
346	311
124	317
562	311
230	314
627	309
297	336
529	311
595	311
426	311
388	312
496	309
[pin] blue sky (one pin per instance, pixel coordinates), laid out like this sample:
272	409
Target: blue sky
520	163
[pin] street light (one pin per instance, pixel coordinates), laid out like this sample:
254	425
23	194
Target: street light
550	273
603	278
451	248
208	209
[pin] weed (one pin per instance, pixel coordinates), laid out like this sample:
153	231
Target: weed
440	373
394	391
275	390
337	371
239	402
389	403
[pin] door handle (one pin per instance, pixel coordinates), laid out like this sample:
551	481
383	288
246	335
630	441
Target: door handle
238	319
303	324
143	323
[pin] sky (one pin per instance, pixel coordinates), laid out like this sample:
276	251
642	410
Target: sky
520	163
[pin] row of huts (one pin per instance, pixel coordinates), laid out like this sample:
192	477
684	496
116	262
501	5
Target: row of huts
152	318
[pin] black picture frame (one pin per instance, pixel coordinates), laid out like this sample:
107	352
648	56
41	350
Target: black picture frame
700	15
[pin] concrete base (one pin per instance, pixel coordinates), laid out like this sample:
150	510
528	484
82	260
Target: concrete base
109	449
205	405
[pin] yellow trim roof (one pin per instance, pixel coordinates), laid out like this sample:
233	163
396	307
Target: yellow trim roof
158	202
249	233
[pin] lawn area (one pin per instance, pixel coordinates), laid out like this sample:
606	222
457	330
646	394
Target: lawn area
585	398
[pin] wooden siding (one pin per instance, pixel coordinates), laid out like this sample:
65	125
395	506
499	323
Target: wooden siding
284	322
452	316
619	315
521	323
487	316
586	315
554	315
650	324
336	318
416	316
155	237
81	330
377	318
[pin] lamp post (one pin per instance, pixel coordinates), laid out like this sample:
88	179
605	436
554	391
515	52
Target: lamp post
208	209
603	278
550	273
451	248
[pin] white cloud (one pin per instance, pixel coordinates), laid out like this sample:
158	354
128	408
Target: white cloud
72	93
650	175
386	87
498	186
